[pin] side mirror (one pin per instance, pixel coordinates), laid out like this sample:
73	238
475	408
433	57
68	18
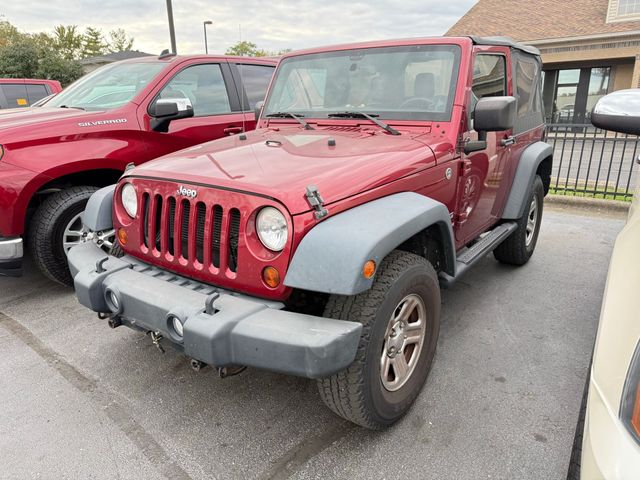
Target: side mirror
492	114
619	112
165	110
258	109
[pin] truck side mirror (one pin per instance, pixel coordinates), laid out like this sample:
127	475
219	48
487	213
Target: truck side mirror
258	109
492	114
165	110
619	112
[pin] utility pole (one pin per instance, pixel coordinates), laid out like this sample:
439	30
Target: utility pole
172	32
206	44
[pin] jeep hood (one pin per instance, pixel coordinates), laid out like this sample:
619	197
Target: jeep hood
282	163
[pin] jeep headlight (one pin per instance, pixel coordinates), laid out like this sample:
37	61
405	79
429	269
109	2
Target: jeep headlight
129	199
272	228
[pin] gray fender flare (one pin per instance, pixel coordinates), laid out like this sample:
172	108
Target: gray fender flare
530	159
330	257
97	215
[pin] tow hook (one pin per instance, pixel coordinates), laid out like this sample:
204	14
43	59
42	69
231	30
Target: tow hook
156	338
114	322
225	372
197	365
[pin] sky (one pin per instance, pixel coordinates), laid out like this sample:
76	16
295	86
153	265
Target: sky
273	26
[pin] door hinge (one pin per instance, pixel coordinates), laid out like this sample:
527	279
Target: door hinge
316	202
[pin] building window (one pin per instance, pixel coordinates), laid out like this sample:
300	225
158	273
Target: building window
623	10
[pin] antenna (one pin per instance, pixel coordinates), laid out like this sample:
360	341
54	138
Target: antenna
243	90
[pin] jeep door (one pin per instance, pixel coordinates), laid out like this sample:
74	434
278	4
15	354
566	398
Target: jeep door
482	182
210	89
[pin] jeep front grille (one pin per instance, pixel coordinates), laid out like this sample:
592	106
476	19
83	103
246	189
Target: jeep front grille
189	230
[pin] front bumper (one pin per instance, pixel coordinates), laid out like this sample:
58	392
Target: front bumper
608	450
11	251
221	328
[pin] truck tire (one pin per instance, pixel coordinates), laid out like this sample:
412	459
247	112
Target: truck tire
47	231
518	247
400	316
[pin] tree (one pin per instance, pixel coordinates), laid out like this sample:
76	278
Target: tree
19	59
93	43
68	41
8	33
120	41
246	49
53	66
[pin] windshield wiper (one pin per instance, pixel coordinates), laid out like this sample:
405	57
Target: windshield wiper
380	123
295	116
68	106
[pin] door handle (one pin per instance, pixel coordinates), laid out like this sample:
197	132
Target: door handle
505	142
232	130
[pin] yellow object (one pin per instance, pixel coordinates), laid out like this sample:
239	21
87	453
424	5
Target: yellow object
22	102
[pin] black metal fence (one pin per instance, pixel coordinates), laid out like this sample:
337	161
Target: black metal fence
593	163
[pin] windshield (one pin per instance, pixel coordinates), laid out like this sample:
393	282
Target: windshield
409	82
108	87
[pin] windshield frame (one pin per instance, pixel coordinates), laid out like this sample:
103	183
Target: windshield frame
60	100
388	116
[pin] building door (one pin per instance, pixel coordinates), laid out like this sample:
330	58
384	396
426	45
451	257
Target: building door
570	94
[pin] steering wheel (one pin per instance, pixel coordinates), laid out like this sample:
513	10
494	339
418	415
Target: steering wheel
427	103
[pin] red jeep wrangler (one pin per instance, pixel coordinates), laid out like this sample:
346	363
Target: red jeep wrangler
316	245
54	157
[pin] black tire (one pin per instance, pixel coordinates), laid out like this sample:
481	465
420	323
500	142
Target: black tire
576	450
514	249
357	393
46	231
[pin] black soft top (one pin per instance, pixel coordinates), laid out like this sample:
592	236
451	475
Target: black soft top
506	41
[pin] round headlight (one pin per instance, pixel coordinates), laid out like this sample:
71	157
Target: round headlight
129	199
272	228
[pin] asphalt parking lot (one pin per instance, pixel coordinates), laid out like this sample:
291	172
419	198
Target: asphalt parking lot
80	400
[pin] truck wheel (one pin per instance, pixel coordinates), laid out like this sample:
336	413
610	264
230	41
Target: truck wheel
400	316
57	226
519	246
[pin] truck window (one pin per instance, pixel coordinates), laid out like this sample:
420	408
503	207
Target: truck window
405	82
526	76
255	79
108	87
35	93
204	86
489	79
15	94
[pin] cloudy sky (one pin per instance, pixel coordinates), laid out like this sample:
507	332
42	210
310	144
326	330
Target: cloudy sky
272	25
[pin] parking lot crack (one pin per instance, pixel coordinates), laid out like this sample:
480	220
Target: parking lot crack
116	412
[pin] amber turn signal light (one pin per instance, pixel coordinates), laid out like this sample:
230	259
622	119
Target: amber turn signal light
122	236
369	269
271	277
635	413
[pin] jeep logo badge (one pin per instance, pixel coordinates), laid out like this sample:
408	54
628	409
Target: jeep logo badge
187	192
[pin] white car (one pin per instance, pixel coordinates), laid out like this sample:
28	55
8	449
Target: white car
609	445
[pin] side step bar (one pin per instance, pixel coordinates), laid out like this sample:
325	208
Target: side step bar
471	255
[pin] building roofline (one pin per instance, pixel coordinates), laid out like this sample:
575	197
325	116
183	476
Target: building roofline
597	36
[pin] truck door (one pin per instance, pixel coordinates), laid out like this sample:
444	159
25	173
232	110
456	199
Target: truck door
211	90
483	171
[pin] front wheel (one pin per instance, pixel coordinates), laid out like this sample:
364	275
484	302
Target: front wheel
400	316
57	226
519	246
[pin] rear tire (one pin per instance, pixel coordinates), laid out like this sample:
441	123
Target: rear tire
373	391
518	247
47	227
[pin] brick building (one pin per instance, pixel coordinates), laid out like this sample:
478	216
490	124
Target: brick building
588	47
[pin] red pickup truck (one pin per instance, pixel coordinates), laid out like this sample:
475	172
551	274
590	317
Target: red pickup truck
24	92
52	158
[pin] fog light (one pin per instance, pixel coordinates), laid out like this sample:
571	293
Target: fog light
369	269
271	277
177	326
122	236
